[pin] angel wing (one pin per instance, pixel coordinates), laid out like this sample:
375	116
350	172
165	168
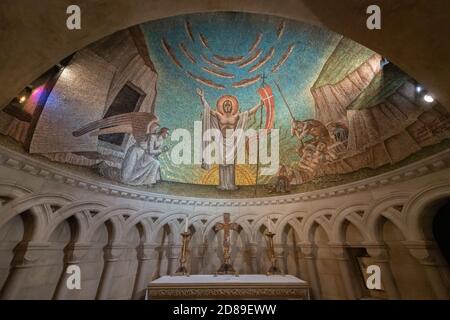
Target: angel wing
139	124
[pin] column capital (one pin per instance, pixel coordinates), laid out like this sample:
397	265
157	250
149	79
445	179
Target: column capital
378	251
174	250
29	253
147	251
278	249
114	251
307	249
339	250
423	251
75	252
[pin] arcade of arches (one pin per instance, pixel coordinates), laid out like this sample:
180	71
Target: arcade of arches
379	194
122	239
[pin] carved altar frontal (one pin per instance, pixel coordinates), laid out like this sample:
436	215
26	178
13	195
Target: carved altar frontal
228	287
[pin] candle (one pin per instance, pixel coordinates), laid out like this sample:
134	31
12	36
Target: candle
186	224
269	224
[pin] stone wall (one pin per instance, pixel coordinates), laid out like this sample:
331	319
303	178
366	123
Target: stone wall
83	93
48	221
70	105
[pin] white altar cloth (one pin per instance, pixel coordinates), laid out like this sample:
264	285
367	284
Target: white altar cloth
228	286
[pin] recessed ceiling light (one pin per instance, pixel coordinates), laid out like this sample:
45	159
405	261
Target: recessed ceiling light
428	98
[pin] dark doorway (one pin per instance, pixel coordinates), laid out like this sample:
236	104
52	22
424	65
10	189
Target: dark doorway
441	230
127	100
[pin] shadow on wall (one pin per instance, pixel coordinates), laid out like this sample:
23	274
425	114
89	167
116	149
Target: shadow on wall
441	227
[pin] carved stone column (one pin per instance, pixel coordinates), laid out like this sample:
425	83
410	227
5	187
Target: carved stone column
146	254
302	266
173	256
425	253
352	288
73	256
380	255
27	256
279	254
112	254
309	255
199	254
253	254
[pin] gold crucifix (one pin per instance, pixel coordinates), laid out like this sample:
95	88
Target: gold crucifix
226	226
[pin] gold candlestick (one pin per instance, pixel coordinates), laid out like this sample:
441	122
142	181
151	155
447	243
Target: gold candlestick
273	260
182	270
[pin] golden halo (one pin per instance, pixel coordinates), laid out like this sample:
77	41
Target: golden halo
232	99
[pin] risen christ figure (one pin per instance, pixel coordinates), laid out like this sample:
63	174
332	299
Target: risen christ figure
228	120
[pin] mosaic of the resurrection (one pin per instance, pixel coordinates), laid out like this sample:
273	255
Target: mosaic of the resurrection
340	108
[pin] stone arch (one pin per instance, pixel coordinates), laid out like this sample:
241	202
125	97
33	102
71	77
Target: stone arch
109	214
196	220
31	248
171	221
380	211
247	228
344	215
146	215
319	218
143	226
29	201
421	209
292	219
14	233
209	227
13	191
77	209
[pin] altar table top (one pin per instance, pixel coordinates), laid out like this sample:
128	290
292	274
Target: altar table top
228	287
228	278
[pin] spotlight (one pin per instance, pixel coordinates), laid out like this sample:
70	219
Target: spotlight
418	89
428	98
22	99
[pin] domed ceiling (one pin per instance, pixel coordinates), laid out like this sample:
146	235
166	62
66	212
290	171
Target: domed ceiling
339	111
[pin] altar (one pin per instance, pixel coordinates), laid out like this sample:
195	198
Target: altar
247	286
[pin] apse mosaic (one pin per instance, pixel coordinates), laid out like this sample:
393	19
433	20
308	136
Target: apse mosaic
333	87
234	54
340	108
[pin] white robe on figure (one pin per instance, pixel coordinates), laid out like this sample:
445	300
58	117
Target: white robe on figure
228	151
141	166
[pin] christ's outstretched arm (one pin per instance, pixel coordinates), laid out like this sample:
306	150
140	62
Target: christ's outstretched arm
253	110
205	103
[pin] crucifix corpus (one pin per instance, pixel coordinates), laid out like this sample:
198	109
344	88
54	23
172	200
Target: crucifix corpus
226	226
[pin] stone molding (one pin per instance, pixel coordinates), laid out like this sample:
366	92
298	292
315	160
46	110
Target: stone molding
147	251
423	251
75	252
29	254
113	252
220	293
33	166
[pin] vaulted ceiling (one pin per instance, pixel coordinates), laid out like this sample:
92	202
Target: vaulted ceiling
413	35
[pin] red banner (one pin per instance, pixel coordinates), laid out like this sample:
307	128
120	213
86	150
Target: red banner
269	103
